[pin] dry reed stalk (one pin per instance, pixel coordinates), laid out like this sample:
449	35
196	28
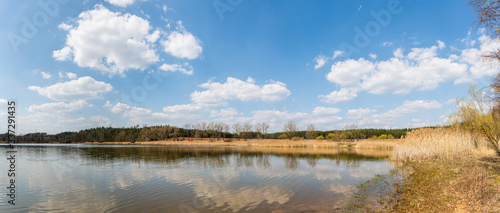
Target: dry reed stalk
438	143
377	144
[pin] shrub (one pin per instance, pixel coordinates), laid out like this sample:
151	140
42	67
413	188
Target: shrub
330	136
320	138
383	136
228	140
474	114
390	136
343	136
283	136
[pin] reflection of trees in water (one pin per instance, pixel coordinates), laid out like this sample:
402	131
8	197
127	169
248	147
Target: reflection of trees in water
291	162
311	162
246	160
217	157
349	163
35	152
348	159
218	161
263	161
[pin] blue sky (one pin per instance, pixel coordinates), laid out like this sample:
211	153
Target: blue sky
72	65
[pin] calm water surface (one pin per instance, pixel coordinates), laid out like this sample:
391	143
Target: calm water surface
91	178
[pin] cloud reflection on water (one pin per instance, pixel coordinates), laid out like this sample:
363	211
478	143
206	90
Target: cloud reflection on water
126	179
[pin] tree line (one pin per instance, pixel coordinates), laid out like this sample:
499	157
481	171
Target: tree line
210	131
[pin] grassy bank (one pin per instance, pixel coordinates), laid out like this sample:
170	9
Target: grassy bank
445	170
459	185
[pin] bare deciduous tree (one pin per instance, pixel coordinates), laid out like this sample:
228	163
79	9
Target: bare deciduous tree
219	128
212	129
488	16
197	129
187	127
289	128
237	129
262	128
204	130
225	129
247	130
311	132
351	132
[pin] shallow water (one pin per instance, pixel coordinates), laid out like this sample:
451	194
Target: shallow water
99	178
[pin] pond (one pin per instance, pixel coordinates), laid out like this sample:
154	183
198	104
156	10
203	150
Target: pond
105	178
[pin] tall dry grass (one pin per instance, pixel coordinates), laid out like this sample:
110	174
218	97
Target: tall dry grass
386	144
439	143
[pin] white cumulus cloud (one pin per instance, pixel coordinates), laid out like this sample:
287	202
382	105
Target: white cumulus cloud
349	73
359	113
320	61
46	75
325	110
69	75
101	120
121	3
339	96
110	42
419	69
391	116
173	115
59	108
182	44
138	115
236	89
224	113
84	88
185	69
182	108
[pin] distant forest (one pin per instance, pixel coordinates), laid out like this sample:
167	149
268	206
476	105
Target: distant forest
212	131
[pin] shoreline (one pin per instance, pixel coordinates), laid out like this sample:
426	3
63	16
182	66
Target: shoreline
386	144
469	184
368	147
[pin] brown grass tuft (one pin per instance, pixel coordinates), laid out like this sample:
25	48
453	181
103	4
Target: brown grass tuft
459	185
439	143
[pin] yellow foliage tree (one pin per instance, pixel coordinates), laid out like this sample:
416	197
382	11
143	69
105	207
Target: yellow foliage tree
382	136
475	114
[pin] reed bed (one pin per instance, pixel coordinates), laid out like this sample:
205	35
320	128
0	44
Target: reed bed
249	143
283	143
439	143
386	144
